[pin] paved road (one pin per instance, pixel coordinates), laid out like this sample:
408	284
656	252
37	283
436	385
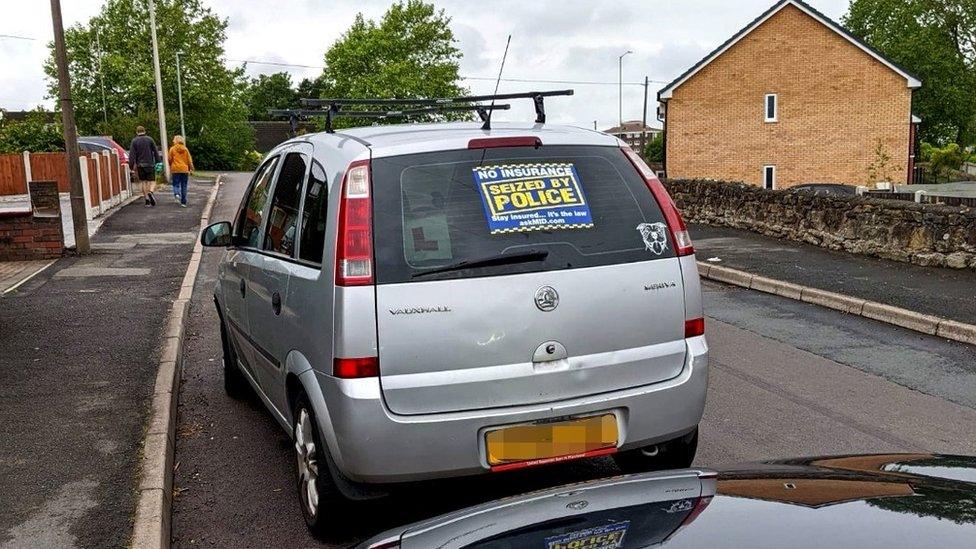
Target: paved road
788	379
78	352
942	292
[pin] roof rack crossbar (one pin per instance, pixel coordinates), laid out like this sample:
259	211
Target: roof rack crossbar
335	111
333	107
435	101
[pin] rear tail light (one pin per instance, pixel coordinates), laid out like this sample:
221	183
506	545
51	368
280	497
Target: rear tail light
694	327
354	246
679	232
352	368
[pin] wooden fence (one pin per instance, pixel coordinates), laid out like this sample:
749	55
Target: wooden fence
105	179
50	167
13	178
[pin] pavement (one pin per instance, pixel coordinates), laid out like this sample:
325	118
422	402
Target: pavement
788	379
13	273
945	293
79	346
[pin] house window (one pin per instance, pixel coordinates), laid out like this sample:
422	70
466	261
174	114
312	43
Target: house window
769	177
772	107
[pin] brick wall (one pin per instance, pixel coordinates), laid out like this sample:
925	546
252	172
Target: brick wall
34	234
835	102
923	234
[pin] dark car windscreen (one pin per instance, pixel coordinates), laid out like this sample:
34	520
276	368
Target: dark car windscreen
522	209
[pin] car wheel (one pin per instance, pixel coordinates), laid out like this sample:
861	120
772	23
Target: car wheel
323	505
235	384
675	454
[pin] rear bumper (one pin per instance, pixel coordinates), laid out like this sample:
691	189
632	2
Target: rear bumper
370	444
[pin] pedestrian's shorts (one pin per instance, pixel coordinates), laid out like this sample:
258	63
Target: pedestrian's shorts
145	173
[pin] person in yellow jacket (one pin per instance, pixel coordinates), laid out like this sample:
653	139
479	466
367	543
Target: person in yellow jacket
180	164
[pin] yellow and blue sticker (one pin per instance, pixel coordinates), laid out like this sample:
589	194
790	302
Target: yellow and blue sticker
532	197
609	536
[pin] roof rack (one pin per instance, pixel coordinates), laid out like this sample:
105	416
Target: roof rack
334	107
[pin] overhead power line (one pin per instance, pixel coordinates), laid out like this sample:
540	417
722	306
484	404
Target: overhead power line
580	82
275	63
484	78
17	37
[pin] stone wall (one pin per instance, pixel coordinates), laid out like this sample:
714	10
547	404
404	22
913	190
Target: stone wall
923	234
35	234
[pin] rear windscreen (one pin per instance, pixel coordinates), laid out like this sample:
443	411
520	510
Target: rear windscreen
637	526
564	207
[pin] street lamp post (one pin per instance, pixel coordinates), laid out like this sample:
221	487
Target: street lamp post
620	91
161	111
179	93
101	78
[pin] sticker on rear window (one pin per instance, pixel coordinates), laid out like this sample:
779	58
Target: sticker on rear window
655	237
608	536
532	197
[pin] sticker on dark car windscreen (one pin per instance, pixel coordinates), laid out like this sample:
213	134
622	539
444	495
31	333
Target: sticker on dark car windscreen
608	536
532	197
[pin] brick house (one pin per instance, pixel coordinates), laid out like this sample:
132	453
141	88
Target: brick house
630	132
792	98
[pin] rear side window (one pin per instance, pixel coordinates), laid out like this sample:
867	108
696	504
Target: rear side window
252	211
314	216
283	216
583	206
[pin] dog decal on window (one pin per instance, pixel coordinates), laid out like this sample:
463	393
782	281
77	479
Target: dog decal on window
655	237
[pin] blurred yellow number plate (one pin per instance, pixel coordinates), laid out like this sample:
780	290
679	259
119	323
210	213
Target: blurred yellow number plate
551	440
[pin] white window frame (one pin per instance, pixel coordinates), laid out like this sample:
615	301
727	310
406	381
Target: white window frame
775	117
772	185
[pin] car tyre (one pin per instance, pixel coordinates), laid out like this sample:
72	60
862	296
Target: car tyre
324	507
235	384
674	454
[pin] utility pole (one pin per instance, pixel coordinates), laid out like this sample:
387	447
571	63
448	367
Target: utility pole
179	94
620	85
78	218
643	141
161	111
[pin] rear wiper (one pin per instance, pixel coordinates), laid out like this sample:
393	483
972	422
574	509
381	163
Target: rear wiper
527	256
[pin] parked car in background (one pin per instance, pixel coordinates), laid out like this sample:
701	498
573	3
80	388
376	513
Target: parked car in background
825	189
860	501
99	143
435	300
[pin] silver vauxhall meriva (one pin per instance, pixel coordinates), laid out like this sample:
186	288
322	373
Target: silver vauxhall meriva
422	301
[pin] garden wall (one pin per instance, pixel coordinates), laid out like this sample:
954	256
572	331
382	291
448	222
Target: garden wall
923	234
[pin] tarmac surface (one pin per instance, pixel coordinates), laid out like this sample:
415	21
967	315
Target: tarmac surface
788	379
936	291
78	354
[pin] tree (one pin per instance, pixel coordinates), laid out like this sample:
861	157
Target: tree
935	40
946	160
270	92
410	53
880	169
310	89
35	134
654	150
215	112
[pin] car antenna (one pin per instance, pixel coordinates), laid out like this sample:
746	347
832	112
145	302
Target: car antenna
487	124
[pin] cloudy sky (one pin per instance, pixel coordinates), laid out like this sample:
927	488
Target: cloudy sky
577	40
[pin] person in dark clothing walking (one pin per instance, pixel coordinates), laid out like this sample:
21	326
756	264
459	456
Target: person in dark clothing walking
143	156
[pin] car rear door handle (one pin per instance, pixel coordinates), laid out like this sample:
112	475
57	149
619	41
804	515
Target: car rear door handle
276	303
243	288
